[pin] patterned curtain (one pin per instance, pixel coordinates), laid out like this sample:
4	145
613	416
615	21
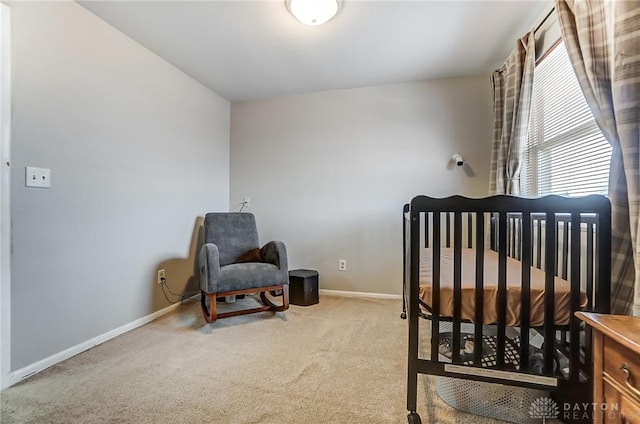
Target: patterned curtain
512	87
603	41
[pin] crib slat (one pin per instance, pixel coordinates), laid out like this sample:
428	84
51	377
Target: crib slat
426	230
510	238
435	288
590	265
479	294
532	246
457	284
469	230
550	249
502	287
447	236
565	248
525	311
575	298
519	237
493	232
557	270
539	245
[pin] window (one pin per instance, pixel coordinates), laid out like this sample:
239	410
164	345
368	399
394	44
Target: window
566	153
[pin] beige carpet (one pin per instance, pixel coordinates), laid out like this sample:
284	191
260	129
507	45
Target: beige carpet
341	361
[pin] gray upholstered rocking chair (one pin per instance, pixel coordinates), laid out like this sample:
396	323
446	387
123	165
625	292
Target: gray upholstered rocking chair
231	262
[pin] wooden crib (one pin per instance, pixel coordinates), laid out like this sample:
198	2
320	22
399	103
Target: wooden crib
491	268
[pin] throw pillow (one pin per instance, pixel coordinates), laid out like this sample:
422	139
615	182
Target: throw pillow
252	255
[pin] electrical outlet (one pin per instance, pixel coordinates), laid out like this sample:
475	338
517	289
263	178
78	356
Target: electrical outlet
247	201
161	276
342	265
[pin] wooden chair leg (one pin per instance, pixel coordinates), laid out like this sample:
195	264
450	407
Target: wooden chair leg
209	313
285	297
285	300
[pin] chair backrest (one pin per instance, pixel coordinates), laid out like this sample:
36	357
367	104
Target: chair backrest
234	233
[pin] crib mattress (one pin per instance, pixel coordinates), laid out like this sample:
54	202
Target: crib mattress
514	288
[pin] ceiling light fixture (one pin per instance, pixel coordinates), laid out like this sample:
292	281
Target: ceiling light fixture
313	12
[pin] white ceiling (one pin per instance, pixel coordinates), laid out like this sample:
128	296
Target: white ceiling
255	49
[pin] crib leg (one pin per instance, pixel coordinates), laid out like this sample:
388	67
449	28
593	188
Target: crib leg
414	418
403	315
412	393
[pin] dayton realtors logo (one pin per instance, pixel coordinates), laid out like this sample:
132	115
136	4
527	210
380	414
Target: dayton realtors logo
544	408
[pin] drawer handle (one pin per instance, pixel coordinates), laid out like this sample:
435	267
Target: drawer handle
625	369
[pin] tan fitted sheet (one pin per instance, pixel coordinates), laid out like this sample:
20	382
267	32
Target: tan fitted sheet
514	288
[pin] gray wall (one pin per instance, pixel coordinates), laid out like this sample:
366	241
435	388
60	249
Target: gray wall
138	150
328	172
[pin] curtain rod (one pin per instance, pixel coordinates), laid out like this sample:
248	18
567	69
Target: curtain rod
544	19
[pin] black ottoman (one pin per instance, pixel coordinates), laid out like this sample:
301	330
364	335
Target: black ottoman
303	287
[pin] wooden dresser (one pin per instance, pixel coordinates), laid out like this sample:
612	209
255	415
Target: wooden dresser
616	367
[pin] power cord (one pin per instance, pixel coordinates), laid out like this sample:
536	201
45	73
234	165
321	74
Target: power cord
183	296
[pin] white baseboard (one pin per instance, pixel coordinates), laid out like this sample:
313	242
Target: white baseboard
25	372
342	293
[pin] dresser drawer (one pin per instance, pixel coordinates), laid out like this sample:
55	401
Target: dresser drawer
620	409
617	358
610	414
629	411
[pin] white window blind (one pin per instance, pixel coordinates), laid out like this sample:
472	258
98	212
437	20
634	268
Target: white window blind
566	153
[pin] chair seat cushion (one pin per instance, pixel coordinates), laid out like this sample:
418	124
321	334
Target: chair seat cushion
249	275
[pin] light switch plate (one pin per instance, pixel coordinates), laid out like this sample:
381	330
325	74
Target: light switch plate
38	177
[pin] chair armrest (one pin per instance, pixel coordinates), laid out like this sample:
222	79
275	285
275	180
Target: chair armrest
209	266
275	253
